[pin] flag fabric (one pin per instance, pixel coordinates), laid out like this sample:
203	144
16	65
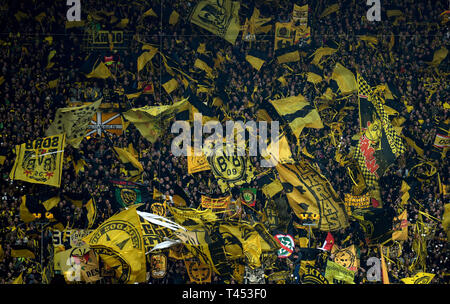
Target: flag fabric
345	79
119	243
74	122
19	279
256	24
336	272
248	196
100	70
147	54
353	202
198	273
215	203
446	220
375	222
313	276
329	242
40	161
153	233
169	83
379	145
400	227
287	54
220	18
284	35
308	191
129	193
197	163
346	257
229	170
133	167
106	122
152	120
256	58
91	210
320	53
329	10
89	267
174	17
438	56
298	113
419	278
269	184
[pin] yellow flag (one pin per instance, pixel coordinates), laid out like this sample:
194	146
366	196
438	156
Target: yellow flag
152	120
119	243
309	191
22	253
446	220
197	163
199	273
345	79
338	272
320	53
173	18
100	71
419	278
146	57
19	279
218	17
346	257
132	165
74	121
40	161
439	56
298	112
91	208
400	227
329	10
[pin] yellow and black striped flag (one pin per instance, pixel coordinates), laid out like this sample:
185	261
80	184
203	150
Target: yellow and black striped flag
298	113
133	167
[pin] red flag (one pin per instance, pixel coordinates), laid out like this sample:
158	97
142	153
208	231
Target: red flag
329	242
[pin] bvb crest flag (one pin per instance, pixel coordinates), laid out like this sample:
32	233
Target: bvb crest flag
309	191
119	243
419	278
229	170
40	161
199	273
346	257
74	121
128	193
218	17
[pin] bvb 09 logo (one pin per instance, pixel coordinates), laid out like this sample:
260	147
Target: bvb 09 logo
231	167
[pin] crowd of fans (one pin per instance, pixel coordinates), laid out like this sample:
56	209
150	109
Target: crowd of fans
28	105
